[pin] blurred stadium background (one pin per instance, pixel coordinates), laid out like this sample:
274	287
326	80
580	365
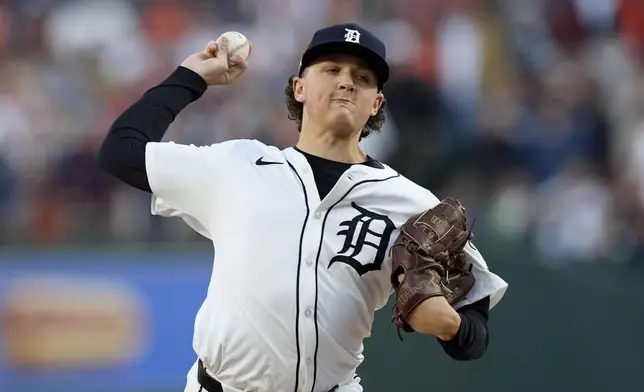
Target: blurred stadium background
529	111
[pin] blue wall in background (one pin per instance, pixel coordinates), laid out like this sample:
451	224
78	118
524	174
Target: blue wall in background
172	286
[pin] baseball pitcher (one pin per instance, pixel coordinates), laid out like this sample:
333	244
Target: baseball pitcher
311	240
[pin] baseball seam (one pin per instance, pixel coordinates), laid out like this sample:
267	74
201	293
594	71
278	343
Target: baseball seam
232	52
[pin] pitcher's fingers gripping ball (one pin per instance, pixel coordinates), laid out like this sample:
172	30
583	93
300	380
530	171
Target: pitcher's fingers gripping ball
237	45
429	252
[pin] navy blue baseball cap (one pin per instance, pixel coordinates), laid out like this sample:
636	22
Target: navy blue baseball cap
349	38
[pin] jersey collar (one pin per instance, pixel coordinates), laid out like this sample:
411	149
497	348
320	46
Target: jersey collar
370	162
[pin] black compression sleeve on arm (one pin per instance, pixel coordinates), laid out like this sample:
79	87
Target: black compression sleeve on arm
122	153
472	338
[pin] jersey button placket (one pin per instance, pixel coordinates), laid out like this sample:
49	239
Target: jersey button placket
307	297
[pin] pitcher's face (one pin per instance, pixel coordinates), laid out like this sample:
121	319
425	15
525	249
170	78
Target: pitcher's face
339	92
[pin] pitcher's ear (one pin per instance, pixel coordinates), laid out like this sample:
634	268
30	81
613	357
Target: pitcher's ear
298	89
377	103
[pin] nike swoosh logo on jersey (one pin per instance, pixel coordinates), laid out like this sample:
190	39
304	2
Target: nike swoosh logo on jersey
262	162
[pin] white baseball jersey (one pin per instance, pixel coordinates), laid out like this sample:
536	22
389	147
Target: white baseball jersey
296	280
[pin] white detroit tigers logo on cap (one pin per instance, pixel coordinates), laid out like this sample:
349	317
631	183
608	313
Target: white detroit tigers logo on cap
352	36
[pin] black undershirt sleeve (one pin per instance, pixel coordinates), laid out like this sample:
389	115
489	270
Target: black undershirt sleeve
122	153
472	338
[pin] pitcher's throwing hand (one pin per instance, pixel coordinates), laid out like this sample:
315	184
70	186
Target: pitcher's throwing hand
215	65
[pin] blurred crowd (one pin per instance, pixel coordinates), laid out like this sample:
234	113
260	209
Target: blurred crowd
529	111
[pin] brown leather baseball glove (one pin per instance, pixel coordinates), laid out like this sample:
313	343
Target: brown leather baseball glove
429	252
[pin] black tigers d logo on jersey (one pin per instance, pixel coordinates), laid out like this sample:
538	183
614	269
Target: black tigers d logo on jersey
366	229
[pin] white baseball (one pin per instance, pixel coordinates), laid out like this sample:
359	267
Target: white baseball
238	44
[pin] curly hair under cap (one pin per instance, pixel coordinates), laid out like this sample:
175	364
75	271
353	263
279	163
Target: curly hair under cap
296	110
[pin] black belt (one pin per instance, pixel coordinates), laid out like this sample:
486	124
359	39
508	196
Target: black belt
212	385
206	381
